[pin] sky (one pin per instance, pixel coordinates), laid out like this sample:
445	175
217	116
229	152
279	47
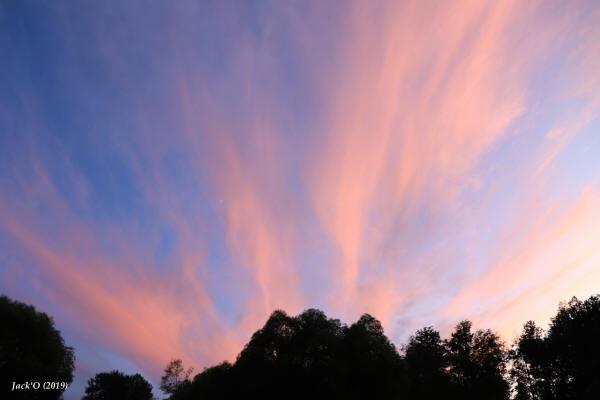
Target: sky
172	172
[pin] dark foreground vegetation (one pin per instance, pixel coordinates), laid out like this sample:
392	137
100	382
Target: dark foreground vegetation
31	350
310	356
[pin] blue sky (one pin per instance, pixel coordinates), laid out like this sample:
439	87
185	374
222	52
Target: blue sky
171	173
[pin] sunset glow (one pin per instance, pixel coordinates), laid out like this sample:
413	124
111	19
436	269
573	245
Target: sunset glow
172	172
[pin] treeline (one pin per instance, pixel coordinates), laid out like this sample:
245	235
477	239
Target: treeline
311	356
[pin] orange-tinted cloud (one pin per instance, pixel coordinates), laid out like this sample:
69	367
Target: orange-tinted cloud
423	95
405	151
555	259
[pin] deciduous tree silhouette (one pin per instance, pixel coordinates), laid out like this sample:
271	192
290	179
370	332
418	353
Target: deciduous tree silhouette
117	385
563	363
529	370
175	377
213	383
31	350
375	369
476	364
313	357
306	357
427	363
302	352
310	356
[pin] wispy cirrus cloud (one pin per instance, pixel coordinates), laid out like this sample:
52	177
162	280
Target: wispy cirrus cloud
171	176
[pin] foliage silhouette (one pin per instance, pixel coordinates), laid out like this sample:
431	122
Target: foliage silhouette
175	377
530	365
564	362
213	383
31	350
466	366
427	365
476	364
307	357
311	356
375	368
301	352
117	385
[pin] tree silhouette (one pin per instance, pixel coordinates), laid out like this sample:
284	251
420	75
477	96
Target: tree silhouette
31	350
426	362
117	385
216	382
175	376
563	363
488	357
306	357
375	369
476	364
311	356
459	348
302	352
529	365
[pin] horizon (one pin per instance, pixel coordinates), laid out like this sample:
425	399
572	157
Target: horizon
171	173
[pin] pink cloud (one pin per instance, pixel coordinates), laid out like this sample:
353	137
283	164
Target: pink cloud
414	100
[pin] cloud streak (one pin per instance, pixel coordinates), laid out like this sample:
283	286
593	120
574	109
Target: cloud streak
174	175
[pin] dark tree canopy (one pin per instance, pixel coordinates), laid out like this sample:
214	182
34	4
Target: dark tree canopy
117	385
311	356
469	365
175	377
301	352
477	364
564	362
427	362
213	383
375	368
306	357
529	364
31	349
